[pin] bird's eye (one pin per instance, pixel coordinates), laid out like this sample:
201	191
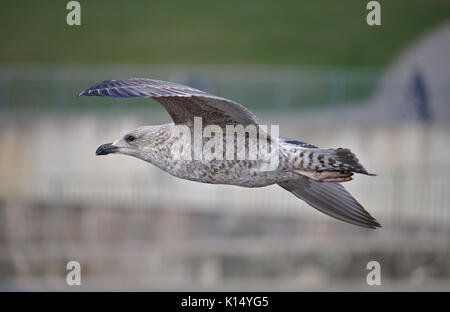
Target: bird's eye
130	138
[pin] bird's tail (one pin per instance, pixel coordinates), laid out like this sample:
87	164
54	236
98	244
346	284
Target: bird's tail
346	160
332	159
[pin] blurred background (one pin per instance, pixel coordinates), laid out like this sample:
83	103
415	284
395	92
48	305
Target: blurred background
313	67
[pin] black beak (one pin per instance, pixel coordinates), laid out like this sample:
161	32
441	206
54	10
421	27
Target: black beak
106	149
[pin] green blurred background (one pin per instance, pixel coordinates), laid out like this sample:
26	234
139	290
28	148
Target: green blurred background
319	53
309	32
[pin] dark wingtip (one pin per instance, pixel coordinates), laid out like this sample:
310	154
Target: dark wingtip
372	223
376	224
87	93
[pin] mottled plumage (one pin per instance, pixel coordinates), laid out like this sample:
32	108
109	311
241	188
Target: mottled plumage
309	172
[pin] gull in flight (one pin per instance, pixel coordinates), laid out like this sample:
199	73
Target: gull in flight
311	173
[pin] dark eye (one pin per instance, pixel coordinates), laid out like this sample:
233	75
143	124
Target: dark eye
130	138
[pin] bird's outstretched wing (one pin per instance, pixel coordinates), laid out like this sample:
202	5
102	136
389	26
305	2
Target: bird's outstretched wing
183	103
332	199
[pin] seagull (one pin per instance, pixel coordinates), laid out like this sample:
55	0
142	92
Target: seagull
310	173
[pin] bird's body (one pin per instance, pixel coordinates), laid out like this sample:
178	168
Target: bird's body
248	173
309	172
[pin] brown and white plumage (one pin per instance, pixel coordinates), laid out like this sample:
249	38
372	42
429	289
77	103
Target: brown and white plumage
309	172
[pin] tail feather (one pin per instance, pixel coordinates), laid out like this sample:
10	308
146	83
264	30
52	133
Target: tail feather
332	159
348	161
307	157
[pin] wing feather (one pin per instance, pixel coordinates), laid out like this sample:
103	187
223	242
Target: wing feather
183	103
332	199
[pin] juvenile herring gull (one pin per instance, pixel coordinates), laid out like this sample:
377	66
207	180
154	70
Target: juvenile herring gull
307	171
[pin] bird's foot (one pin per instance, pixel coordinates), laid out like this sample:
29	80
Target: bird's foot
327	176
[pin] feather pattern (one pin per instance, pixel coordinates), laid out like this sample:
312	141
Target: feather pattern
183	103
308	157
332	199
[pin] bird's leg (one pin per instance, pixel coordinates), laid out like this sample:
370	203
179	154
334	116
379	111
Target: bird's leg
327	176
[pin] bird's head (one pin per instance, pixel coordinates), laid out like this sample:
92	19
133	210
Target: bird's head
139	143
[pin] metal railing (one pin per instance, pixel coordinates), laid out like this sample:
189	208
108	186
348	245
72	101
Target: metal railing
28	86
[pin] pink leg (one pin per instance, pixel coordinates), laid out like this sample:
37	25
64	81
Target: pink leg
327	176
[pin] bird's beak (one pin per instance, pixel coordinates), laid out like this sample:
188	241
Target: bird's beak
106	149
